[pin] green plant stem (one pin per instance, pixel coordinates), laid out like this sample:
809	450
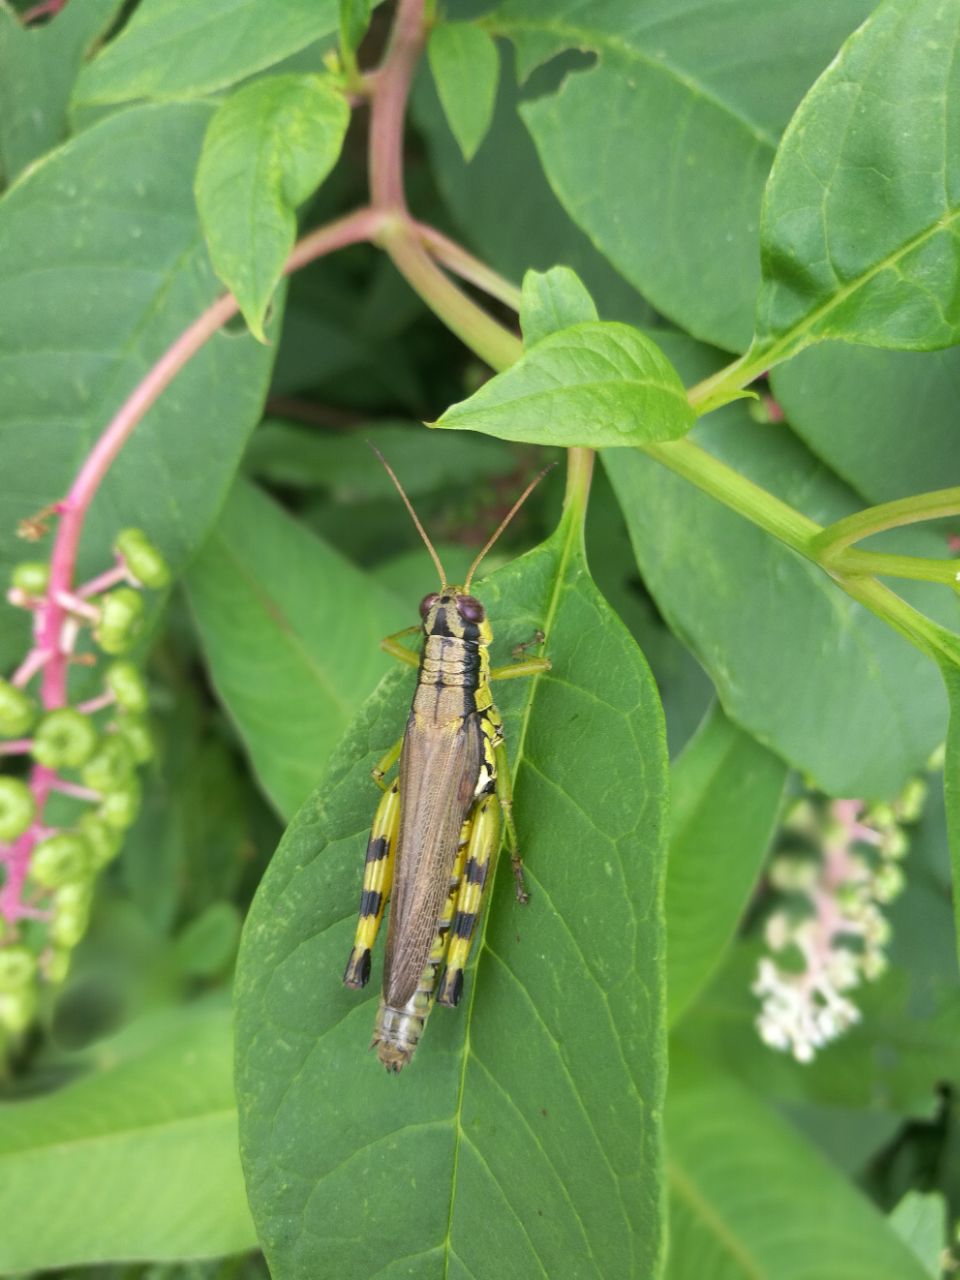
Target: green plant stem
579	475
464	264
888	515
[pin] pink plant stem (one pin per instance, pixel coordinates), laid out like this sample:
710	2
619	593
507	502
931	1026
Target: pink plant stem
103	582
96	704
42	10
18	747
29	667
464	264
74	790
391	90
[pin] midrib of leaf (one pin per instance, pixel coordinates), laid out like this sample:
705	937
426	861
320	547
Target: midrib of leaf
571	533
713	1221
586	37
791	342
111	1135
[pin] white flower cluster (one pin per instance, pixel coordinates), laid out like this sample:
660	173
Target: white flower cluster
830	933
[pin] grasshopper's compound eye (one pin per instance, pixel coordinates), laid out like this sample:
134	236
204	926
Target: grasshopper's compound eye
470	609
427	603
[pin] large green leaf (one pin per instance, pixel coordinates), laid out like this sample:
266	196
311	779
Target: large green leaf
750	1200
553	300
796	662
597	383
102	265
660	150
40	65
137	1159
169	49
530	229
268	148
884	420
524	1138
291	634
725	792
859	229
951	780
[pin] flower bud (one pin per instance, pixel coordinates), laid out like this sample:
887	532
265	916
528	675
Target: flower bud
56	965
121	620
31	577
61	859
126	684
17	808
888	882
142	558
120	808
18	711
136	733
69	925
17	967
104	841
17	1009
65	738
110	769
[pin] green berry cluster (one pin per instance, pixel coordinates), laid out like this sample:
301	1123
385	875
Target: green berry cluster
95	749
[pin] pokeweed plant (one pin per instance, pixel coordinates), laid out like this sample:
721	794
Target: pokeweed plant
678	1059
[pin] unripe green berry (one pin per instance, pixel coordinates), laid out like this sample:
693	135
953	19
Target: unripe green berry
111	767
17	808
64	738
104	840
119	809
17	711
17	967
17	1009
69	925
142	558
56	965
121	620
888	882
61	859
75	896
127	685
31	577
136	733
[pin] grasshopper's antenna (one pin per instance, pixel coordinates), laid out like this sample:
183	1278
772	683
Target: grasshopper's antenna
416	519
505	521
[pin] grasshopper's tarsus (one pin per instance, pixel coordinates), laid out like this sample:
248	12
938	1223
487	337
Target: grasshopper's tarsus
535	640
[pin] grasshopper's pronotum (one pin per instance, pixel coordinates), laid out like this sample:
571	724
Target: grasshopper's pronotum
437	829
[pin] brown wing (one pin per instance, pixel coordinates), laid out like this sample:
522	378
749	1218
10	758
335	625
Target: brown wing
439	768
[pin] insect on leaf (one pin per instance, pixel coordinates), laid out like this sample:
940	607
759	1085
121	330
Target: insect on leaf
527	1126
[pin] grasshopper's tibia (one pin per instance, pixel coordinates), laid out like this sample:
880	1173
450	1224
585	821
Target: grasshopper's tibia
386	763
484	841
391	644
377	878
505	796
397	1032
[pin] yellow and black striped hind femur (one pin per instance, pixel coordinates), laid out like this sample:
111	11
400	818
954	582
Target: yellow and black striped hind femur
377	880
397	1032
482	846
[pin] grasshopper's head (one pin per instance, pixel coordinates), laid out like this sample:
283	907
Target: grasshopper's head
451	611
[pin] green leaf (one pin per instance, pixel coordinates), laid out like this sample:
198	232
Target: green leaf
291	632
499	230
268	148
169	49
40	65
796	662
921	1223
751	1200
725	791
137	1159
595	384
552	300
102	263
207	945
660	149
466	68
528	1125
884	420
354	20
859	229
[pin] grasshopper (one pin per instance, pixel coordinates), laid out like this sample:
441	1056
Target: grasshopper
437	829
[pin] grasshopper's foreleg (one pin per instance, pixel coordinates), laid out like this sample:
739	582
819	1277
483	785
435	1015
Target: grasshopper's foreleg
505	796
377	879
481	849
526	667
391	644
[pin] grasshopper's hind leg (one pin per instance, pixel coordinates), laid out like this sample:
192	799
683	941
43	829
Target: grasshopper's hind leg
377	879
481	849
